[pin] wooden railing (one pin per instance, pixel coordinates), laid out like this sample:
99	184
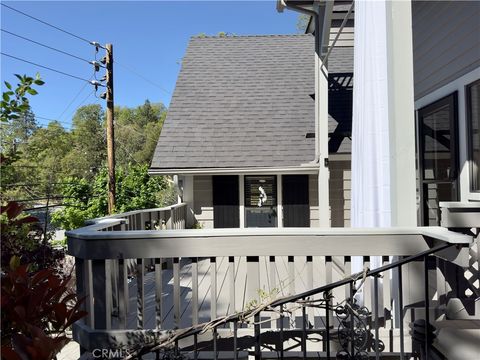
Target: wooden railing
169	217
186	277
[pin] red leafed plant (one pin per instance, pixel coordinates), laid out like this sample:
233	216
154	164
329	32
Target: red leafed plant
22	237
37	308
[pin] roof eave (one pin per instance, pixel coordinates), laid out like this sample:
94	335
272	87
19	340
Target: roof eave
310	168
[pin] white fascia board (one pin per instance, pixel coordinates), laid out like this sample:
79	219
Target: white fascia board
303	169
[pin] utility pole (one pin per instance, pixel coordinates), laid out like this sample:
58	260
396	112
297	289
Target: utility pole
110	131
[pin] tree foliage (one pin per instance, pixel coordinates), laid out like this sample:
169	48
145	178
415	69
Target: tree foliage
88	199
137	131
68	166
302	23
15	101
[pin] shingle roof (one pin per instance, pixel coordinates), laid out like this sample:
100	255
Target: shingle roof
244	102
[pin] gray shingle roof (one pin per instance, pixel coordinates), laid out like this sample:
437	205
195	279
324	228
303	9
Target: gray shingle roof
244	102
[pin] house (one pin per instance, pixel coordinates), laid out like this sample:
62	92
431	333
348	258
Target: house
248	285
240	132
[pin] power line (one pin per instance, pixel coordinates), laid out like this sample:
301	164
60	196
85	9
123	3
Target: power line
53	120
75	98
51	69
47	46
143	77
48	24
82	102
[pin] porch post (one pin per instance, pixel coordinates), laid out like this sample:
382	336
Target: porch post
321	114
401	113
189	199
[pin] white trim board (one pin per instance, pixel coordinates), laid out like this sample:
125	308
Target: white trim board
307	169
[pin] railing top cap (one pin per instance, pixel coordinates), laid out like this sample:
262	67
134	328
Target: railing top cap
440	233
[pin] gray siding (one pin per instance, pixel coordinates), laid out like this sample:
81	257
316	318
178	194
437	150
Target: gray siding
339	197
313	199
446	42
203	201
340	193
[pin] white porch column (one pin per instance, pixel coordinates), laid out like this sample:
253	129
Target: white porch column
383	129
321	123
189	199
401	113
279	201
241	183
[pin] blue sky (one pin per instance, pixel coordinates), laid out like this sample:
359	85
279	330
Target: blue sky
149	38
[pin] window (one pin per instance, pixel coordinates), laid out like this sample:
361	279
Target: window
438	156
473	114
260	201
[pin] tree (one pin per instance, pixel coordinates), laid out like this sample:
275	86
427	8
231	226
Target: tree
84	200
137	132
15	114
88	143
16	133
302	23
42	159
15	102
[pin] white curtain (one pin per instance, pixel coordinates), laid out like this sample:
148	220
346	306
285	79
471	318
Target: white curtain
370	128
370	135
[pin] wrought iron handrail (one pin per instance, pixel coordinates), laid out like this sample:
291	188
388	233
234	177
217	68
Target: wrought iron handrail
325	289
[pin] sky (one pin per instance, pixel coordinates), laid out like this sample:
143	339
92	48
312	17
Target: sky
149	40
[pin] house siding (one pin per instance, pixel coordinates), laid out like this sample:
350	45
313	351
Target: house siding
340	193
203	201
446	42
313	200
339	198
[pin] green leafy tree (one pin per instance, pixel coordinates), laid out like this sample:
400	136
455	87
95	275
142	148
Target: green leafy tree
137	132
42	159
84	200
15	115
15	101
88	143
16	133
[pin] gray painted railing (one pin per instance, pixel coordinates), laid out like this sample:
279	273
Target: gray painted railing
242	265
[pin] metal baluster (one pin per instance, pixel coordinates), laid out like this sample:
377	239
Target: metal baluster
281	332
304	330
327	323
375	304
400	311
256	330
352	322
427	309
195	346
235	333
215	355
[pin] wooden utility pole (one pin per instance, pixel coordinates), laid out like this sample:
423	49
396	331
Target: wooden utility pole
110	131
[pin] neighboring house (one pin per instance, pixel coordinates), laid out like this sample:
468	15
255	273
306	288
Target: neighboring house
242	115
240	132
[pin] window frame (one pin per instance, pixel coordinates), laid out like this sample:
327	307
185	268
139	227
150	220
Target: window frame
469	119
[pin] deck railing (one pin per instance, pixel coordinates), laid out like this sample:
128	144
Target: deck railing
183	278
